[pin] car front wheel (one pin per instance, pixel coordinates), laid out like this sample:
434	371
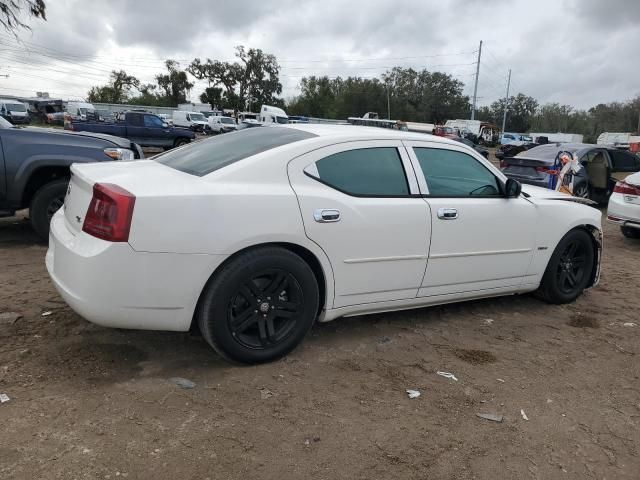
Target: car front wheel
570	267
259	306
630	232
47	201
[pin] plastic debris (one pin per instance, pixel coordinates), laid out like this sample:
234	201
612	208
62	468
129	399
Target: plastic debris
413	393
265	393
183	382
447	375
488	321
629	324
524	415
4	397
490	416
47	313
9	317
500	380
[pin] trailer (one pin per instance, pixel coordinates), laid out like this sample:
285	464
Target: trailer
558	137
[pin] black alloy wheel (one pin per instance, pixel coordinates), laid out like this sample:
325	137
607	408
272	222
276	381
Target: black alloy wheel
259	305
571	270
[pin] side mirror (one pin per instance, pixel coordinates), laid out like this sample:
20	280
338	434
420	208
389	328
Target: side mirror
512	188
165	125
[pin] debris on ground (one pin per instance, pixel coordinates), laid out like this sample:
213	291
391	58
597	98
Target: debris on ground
447	375
524	415
10	317
629	324
413	393
47	313
384	339
265	393
488	321
4	397
500	380
490	416
183	382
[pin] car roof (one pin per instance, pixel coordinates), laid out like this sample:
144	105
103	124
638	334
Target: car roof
550	150
364	133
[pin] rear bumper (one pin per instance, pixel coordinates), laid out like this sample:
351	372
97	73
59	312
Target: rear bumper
112	285
623	213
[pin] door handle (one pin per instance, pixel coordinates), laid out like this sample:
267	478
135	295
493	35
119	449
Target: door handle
326	215
447	213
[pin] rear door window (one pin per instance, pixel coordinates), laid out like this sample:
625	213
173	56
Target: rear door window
367	172
624	161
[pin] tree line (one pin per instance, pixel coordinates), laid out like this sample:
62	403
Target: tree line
252	79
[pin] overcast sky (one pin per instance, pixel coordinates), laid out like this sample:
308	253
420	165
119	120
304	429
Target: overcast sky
577	52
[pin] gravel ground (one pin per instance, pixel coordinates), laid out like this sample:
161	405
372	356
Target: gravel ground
90	402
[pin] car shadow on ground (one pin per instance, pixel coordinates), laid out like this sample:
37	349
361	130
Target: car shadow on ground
16	232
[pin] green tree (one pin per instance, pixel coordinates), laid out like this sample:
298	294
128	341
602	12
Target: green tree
11	13
251	81
521	109
174	84
212	96
118	90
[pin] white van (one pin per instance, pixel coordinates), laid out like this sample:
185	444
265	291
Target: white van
196	121
269	114
221	124
81	111
14	111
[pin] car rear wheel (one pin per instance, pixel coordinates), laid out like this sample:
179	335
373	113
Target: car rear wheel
630	232
47	201
569	270
582	191
259	306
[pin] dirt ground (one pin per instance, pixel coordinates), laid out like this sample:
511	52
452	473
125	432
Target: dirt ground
89	402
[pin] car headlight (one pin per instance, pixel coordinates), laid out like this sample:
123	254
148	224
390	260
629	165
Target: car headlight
119	153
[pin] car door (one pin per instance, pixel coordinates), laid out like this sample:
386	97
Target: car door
154	131
360	203
623	163
135	128
480	240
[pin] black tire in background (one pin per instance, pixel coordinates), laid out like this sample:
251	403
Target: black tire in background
259	306
630	232
46	201
179	142
570	268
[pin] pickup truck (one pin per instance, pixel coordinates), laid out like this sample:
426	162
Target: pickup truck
35	167
145	129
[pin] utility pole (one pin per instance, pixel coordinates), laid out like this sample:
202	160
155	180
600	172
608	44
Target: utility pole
388	105
506	103
475	88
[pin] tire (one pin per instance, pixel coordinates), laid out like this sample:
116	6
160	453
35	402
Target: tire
569	270
240	315
630	232
180	142
46	201
582	191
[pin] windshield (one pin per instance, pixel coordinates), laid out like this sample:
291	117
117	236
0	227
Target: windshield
227	120
16	107
550	151
84	110
206	156
5	124
282	120
197	117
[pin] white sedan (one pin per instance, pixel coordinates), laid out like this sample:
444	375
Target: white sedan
253	235
624	206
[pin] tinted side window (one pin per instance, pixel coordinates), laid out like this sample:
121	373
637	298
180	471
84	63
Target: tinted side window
134	119
366	172
623	161
152	121
455	174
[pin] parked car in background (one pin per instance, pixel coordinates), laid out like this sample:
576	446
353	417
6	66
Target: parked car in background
478	148
446	132
34	167
507	138
195	121
145	129
513	148
249	123
81	111
55	118
254	235
624	206
270	114
220	124
104	115
539	165
13	111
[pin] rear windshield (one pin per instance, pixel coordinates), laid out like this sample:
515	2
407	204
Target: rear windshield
203	157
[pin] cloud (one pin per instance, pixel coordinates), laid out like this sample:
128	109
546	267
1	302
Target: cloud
577	52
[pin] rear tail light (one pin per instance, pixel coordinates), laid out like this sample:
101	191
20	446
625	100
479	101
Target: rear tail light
110	212
548	170
503	164
626	189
